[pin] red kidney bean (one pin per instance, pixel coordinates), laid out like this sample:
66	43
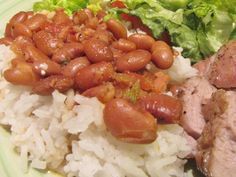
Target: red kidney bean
36	22
6	41
19	29
117	53
89	13
104	93
97	51
162	55
85	34
103	35
124	45
18	18
30	14
117	28
71	38
8	31
158	45
68	52
71	69
55	82
133	61
102	26
21	73
93	75
20	43
128	123
47	42
46	67
80	17
33	54
142	41
163	58
92	23
17	60
165	108
65	31
61	18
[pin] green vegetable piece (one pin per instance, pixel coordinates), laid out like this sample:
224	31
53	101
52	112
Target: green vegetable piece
97	5
69	6
174	4
233	34
133	93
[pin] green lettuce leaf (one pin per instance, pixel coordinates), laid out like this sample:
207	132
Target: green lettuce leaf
97	5
233	34
200	27
174	4
159	19
68	5
213	26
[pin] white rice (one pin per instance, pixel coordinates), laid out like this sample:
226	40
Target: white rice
181	68
48	132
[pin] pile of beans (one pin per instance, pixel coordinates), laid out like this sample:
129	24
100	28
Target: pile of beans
97	59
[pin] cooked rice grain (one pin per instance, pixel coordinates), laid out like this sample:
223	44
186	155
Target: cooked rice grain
52	133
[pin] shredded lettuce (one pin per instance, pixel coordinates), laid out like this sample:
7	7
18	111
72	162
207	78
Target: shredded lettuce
200	27
69	6
174	4
213	26
97	5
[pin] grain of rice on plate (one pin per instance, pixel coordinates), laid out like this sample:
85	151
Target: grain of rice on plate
49	132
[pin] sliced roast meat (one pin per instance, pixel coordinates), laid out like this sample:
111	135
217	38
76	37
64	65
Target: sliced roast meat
223	71
192	144
195	93
216	154
204	66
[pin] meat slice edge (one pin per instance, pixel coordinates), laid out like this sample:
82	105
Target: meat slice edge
222	72
194	94
216	153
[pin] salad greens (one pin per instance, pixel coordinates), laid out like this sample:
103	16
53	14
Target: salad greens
200	27
69	5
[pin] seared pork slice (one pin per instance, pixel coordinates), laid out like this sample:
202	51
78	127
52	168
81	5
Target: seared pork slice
223	71
204	66
216	154
194	94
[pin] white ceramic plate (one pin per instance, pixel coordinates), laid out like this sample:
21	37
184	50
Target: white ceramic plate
10	7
